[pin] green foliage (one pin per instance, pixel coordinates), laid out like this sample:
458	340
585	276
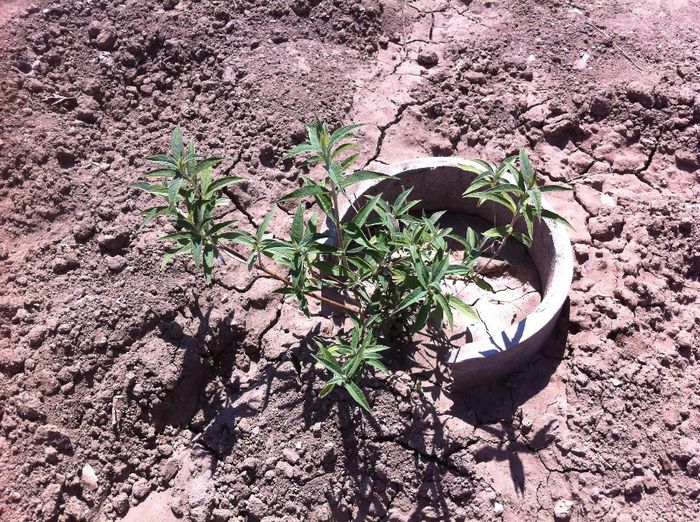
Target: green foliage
388	262
185	181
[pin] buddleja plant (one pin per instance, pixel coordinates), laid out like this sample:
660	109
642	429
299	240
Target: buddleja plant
387	263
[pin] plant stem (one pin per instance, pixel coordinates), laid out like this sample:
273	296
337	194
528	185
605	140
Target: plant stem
282	279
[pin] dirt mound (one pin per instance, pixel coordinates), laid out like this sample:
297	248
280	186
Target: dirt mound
129	391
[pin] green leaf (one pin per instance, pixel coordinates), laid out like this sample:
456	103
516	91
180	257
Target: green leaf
413	297
378	365
361	217
502	199
223	183
176	142
152	213
170	254
342	133
477	166
462	307
174	191
160	173
556	217
159	190
207	163
535	197
300	149
297	231
357	395
335	173
266	223
526	169
308	190
445	308
422	316
327	388
555	188
163	159
361	175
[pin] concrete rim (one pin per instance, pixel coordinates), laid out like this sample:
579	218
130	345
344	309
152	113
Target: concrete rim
486	359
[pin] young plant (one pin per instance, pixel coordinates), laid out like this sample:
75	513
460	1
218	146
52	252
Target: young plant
388	263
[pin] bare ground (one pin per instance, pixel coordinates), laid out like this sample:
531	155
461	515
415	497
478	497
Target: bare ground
200	403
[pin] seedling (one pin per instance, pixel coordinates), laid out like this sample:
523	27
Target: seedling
388	263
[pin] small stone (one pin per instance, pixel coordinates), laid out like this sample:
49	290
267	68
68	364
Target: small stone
88	477
497	509
29	406
121	504
113	242
51	455
641	92
687	159
61	265
140	489
106	39
562	510
427	59
560	128
12	360
601	106
634	486
290	455
115	263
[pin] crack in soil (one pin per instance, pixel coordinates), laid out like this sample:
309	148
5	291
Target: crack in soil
384	128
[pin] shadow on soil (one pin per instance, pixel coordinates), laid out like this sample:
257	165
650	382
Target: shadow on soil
440	459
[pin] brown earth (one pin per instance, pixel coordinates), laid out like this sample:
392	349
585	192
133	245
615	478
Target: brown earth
127	391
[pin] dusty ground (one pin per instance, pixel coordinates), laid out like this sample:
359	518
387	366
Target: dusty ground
130	392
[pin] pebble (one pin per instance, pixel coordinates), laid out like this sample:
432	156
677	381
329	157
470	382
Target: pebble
562	510
427	59
88	477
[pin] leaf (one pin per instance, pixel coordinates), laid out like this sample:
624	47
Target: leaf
445	308
152	213
208	263
362	175
555	188
502	199
222	183
209	162
378	365
462	307
266	223
300	149
159	190
174	191
163	159
361	217
297	231
176	142
335	173
170	254
342	133
477	166
556	217
357	395
327	388
536	197
413	297
526	168
160	173
308	190
197	251
422	316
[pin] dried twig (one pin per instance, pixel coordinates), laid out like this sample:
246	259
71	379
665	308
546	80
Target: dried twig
620	49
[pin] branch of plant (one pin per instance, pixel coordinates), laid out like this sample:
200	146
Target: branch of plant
282	279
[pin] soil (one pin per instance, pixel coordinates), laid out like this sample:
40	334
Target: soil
131	392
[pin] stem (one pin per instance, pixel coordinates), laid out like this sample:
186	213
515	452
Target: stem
282	279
